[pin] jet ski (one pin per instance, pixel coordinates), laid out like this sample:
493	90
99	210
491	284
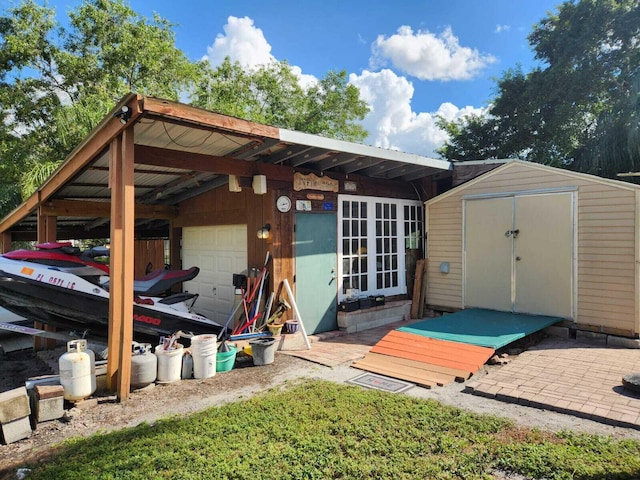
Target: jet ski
71	291
66	257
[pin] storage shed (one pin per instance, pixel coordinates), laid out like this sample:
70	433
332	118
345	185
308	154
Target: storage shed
529	238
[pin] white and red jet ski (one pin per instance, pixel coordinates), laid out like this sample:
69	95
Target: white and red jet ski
61	286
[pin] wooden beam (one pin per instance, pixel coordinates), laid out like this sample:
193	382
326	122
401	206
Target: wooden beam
76	208
94	143
187	113
199	162
162	157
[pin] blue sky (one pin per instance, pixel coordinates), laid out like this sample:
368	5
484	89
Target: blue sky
412	60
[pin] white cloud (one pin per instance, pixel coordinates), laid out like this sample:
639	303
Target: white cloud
245	43
502	28
392	123
427	56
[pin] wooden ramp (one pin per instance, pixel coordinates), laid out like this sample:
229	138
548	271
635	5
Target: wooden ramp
423	360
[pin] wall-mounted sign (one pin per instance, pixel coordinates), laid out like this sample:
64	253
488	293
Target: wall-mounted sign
350	186
303	205
315	196
327	206
314	182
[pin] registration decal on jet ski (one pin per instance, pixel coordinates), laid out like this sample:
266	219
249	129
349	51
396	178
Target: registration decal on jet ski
58	282
27	271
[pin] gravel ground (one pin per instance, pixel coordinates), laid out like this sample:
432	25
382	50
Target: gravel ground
188	396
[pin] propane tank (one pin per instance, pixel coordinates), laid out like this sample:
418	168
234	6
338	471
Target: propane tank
77	371
144	365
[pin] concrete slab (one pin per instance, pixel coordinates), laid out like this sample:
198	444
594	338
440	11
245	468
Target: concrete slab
14	404
47	403
15	430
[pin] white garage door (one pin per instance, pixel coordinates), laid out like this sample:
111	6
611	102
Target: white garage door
219	251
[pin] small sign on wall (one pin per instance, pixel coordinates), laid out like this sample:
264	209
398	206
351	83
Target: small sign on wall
303	205
350	186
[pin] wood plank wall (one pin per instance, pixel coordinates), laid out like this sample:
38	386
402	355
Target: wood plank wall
221	207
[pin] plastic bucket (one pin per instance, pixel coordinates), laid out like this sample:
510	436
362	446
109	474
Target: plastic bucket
169	363
226	360
203	351
292	326
263	350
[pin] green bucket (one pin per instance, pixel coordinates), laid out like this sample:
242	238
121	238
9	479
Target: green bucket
226	360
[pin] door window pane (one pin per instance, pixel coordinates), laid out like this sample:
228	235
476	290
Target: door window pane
376	233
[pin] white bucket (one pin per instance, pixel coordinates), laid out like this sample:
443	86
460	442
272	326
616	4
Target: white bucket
169	363
203	351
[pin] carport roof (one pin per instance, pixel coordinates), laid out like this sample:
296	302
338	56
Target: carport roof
182	151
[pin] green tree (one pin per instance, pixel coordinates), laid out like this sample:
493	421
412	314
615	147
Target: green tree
56	84
579	109
272	94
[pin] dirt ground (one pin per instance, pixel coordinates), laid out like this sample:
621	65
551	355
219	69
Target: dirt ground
187	396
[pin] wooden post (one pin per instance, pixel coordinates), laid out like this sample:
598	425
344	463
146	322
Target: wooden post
423	289
417	288
47	226
6	242
121	177
115	263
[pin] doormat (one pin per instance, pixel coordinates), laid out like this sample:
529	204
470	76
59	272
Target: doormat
371	380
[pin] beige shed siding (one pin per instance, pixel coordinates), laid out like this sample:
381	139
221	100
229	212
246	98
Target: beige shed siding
606	244
445	245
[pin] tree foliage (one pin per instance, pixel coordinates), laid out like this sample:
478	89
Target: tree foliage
272	94
579	108
57	83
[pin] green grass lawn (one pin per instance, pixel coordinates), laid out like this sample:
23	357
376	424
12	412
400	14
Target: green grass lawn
322	430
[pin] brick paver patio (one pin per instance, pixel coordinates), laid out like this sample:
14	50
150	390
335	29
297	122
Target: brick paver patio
568	376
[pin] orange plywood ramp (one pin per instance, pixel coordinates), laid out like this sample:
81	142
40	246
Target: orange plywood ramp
423	360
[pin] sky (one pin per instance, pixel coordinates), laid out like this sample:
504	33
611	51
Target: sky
413	60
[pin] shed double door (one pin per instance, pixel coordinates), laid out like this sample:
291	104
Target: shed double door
519	254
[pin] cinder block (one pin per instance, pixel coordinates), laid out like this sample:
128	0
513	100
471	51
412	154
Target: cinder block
14	404
623	342
595	337
15	430
562	332
48	403
352	322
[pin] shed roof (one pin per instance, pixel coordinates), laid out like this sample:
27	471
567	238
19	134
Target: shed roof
508	164
182	151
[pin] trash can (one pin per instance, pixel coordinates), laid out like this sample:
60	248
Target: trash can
263	350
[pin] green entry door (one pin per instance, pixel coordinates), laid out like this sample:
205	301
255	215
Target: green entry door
316	263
